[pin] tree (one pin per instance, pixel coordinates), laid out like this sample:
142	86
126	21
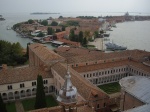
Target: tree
58	30
40	35
63	28
81	37
40	101
87	34
84	41
10	52
44	22
73	23
2	105
72	35
30	21
49	31
101	31
54	23
95	34
60	17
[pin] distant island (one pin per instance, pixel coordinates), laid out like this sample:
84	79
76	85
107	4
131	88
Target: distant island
43	13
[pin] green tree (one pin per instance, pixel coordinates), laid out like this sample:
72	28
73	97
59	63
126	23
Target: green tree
60	17
54	23
58	30
81	37
85	41
72	23
49	31
72	35
101	31
16	26
95	34
63	28
87	34
10	52
44	22
2	105
40	35
30	21
40	101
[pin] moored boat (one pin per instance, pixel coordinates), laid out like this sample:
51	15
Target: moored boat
113	46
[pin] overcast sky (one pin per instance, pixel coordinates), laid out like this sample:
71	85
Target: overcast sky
12	6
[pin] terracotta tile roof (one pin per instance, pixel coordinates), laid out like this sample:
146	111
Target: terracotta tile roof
81	54
14	75
140	66
100	66
70	42
60	109
45	54
84	87
106	65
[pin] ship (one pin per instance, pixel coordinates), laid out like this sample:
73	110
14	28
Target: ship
1	18
113	46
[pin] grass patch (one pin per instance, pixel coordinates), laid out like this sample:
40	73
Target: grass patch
29	103
11	107
51	102
111	88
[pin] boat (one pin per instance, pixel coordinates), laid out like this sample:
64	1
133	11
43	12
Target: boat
106	34
1	18
112	46
8	28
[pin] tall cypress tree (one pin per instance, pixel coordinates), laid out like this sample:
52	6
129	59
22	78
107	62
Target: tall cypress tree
40	94
2	105
81	37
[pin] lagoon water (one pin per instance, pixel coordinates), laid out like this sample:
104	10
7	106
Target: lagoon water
134	35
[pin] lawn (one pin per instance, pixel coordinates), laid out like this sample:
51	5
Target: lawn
29	103
11	107
110	88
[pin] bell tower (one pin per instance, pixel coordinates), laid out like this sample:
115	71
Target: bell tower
68	94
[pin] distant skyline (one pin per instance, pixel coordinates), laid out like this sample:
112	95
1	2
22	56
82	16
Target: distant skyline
13	6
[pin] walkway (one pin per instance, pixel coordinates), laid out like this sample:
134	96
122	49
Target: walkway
19	107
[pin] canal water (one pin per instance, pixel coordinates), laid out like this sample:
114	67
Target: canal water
133	35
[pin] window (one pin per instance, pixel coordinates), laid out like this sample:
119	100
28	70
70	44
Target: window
9	87
76	65
33	83
86	63
104	104
22	85
99	73
97	106
45	81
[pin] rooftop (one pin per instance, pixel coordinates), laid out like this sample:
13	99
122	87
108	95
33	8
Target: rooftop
21	74
78	55
137	86
144	108
78	81
45	54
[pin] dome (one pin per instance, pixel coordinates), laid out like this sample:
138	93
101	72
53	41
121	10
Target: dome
68	93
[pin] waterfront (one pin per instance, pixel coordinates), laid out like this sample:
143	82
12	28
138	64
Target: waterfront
133	35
